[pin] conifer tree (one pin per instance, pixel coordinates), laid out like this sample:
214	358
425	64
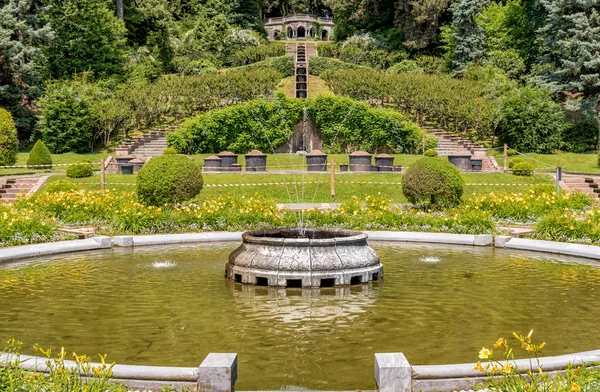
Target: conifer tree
571	54
22	33
469	35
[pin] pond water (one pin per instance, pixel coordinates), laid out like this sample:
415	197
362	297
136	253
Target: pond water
172	306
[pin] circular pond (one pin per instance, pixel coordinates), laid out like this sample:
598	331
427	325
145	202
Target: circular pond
172	306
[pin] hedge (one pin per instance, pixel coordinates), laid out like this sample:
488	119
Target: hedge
39	156
345	125
318	65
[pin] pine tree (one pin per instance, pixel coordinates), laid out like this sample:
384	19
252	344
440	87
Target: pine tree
571	54
469	35
88	37
22	33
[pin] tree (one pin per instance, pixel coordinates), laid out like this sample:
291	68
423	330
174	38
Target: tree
419	21
88	37
571	53
22	33
469	35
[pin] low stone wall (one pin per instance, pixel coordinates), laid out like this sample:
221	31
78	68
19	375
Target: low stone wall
393	372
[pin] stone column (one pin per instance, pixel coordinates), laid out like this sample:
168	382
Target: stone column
393	373
218	373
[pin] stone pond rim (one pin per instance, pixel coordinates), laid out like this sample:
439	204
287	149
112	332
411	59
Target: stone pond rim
311	258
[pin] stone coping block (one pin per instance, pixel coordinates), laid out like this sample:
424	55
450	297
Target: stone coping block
218	372
561	248
435	238
393	373
52	248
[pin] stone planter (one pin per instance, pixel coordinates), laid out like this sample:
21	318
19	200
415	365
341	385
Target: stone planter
256	161
385	162
212	163
460	159
318	258
137	164
127	168
360	161
343	167
476	164
316	161
227	159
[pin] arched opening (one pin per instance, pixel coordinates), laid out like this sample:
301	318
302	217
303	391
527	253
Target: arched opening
290	32
324	35
301	32
277	35
311	32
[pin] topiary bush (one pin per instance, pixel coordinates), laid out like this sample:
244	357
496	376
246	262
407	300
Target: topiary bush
406	67
170	151
39	156
433	180
9	143
80	170
61	186
168	179
522	169
431	153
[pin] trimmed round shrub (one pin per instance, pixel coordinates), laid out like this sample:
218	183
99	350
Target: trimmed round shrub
61	186
522	169
9	143
80	170
39	155
168	179
431	153
514	161
405	66
433	180
170	151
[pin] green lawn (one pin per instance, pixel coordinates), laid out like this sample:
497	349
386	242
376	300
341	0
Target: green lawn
288	188
586	163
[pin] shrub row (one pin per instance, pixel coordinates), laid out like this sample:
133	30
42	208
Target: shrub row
283	64
80	113
318	65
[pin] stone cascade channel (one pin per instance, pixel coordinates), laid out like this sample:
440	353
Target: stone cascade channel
301	53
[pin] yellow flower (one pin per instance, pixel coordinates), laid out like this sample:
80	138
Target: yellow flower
500	343
506	368
575	388
481	368
484	353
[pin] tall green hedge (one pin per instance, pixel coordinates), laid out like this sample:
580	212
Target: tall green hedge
282	64
344	124
9	143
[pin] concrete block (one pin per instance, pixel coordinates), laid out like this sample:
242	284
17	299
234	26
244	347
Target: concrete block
536	245
124	241
224	236
105	242
393	373
483	240
218	373
501	240
589	251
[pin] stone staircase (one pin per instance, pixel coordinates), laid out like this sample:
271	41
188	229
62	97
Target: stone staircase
151	144
11	188
449	143
589	185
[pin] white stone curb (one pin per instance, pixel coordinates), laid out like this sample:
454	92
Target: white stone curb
166	239
432	238
53	248
561	248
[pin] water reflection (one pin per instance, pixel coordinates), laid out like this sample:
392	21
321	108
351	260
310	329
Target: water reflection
304	307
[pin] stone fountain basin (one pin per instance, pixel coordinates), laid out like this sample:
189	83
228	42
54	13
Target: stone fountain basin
307	258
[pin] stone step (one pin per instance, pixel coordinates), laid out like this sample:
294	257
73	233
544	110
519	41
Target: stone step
22	181
571	180
12	191
19	186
